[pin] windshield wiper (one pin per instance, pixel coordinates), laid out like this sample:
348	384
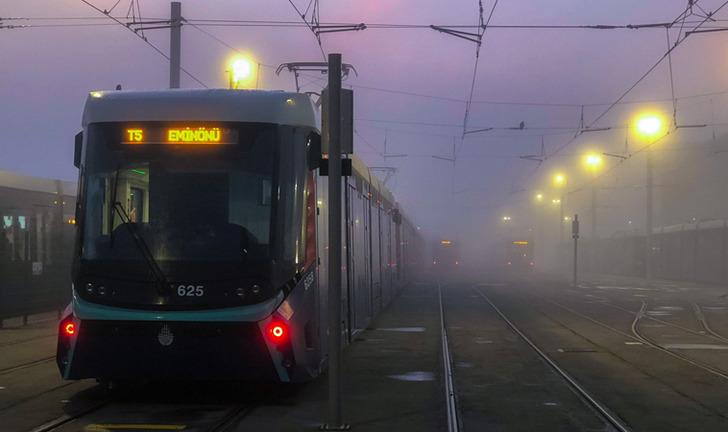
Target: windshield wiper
162	283
113	205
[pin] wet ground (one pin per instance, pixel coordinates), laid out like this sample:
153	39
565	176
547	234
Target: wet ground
654	354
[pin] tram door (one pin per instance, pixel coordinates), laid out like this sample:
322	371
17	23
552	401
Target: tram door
376	262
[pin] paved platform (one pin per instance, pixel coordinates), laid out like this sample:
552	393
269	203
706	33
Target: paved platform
393	375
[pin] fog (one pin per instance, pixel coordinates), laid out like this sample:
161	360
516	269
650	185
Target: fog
47	71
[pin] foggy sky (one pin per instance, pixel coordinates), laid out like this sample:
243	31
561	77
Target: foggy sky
46	73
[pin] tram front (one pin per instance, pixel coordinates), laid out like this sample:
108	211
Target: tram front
192	230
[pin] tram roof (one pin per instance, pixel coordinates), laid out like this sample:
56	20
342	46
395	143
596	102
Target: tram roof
255	106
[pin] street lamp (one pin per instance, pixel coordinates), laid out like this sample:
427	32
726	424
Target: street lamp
593	161
650	126
539	197
241	72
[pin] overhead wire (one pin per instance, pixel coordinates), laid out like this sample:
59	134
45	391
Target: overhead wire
481	32
636	83
310	27
143	38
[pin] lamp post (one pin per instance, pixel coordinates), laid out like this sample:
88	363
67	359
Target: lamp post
539	247
559	181
649	126
593	162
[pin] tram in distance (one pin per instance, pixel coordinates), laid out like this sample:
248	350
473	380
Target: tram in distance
201	240
446	255
518	254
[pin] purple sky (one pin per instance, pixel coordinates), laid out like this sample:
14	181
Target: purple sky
45	74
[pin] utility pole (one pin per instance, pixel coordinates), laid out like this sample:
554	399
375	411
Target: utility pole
175	42
593	239
575	235
648	216
562	266
336	421
561	220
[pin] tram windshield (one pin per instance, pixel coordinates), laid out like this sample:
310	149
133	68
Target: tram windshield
192	201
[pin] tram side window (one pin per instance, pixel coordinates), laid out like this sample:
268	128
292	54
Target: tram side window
6	239
14	239
290	196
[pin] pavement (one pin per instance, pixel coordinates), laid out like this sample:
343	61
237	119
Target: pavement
655	354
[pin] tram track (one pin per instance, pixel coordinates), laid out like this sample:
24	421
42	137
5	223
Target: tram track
227	421
637	336
710	335
646	371
26	365
651	343
700	316
600	409
232	418
29	339
453	418
61	421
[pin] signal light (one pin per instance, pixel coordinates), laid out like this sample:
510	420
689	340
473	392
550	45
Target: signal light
69	329
277	332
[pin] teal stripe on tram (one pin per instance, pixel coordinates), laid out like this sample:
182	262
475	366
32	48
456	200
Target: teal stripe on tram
90	311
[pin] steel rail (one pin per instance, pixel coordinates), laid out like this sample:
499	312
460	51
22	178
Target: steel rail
453	421
67	418
600	408
611	351
28	339
647	341
12	369
668	323
232	417
704	322
640	338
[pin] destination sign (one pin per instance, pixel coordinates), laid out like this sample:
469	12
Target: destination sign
201	135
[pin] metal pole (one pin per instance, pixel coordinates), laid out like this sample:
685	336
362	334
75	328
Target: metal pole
648	216
561	264
334	123
576	246
593	239
561	220
175	41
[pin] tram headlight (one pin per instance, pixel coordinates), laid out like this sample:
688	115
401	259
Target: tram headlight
240	292
90	289
256	289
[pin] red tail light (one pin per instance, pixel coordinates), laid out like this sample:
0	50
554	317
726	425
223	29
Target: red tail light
277	332
70	329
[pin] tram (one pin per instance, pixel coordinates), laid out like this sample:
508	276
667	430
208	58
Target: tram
518	254
201	242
